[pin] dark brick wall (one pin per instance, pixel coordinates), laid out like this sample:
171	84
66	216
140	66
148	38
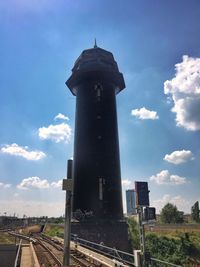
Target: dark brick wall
112	234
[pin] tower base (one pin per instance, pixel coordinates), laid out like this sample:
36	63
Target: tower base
111	234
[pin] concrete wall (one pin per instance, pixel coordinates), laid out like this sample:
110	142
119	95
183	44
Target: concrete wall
7	255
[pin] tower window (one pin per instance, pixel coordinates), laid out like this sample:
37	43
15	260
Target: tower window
100	188
98	88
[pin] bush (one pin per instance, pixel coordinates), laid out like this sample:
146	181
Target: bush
172	250
133	233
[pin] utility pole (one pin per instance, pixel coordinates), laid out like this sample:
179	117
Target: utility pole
68	187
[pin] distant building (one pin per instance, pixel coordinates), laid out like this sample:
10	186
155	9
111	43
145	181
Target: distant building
131	202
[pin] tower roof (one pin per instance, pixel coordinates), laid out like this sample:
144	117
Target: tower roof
95	58
93	63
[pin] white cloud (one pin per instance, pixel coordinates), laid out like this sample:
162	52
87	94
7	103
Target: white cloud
164	177
61	116
57	184
33	182
179	156
144	114
20	151
184	90
58	133
181	203
126	182
3	185
38	183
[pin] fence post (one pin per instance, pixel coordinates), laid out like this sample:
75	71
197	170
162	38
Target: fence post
137	258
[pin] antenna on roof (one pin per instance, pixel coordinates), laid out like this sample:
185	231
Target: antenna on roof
95	43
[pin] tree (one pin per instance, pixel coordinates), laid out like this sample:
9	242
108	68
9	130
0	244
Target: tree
195	212
170	214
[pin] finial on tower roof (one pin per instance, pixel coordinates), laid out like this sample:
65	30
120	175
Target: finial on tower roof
95	43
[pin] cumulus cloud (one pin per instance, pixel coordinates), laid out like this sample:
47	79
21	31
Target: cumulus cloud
23	152
61	116
144	114
126	182
58	133
38	183
179	156
184	90
33	183
57	184
180	202
3	185
164	177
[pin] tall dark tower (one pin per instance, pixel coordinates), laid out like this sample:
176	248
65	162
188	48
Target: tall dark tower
95	81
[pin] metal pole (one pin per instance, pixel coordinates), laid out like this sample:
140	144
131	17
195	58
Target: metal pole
67	185
142	236
67	233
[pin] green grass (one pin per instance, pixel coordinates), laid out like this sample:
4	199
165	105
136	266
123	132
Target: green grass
5	238
54	230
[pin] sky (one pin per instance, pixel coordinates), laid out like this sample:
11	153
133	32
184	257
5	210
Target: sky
157	47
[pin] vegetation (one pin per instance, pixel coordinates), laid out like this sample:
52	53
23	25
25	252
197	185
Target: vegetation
177	246
54	230
173	250
195	212
133	233
170	214
5	238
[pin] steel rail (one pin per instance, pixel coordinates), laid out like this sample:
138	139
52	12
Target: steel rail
80	262
166	263
103	246
52	242
18	252
20	236
50	252
109	254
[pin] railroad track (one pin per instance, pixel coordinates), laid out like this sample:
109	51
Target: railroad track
48	254
46	245
79	260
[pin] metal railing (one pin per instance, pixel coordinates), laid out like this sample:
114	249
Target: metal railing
164	263
119	255
18	254
113	253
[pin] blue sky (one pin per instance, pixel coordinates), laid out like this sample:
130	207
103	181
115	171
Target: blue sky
40	41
